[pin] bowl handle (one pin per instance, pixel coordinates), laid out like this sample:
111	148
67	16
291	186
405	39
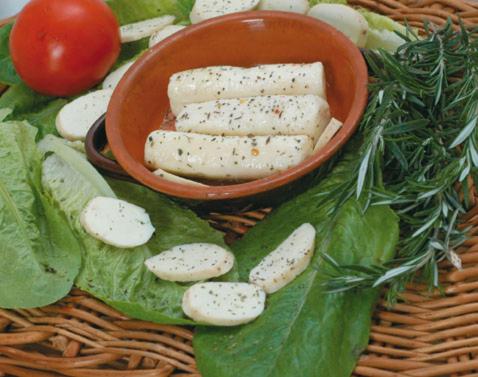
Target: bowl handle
96	141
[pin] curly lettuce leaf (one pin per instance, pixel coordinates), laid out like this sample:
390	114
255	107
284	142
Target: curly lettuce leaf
118	276
304	331
40	254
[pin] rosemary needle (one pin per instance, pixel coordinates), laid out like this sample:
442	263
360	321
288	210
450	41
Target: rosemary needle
419	139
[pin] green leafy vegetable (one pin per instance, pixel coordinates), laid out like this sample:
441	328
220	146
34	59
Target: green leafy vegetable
381	22
132	11
304	331
4	113
8	75
78	162
28	105
383	31
40	255
315	2
118	276
128	11
385	39
21	99
420	139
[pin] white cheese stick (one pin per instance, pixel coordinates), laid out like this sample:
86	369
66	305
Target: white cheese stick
112	80
176	178
332	128
191	262
345	19
225	82
75	119
229	157
224	304
296	6
142	29
116	222
205	9
164	33
270	115
286	262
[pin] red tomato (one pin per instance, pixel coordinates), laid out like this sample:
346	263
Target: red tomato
63	47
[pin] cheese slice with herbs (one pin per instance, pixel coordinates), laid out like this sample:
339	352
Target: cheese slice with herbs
224	158
332	128
258	116
286	262
176	178
226	82
116	222
75	119
191	262
224	304
143	29
112	80
164	33
206	9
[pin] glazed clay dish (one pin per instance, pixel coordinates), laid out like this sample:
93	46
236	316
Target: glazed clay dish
140	102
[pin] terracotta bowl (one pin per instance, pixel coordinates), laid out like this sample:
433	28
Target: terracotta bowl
140	102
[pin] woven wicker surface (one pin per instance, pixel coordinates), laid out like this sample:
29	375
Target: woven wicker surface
426	334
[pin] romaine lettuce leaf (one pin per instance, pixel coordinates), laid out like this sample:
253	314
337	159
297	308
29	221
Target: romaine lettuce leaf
128	11
40	257
305	331
8	75
381	22
382	31
385	39
315	2
118	276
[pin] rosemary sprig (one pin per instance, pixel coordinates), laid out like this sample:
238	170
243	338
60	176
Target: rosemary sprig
420	137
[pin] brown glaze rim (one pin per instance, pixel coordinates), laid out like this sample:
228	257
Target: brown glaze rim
136	170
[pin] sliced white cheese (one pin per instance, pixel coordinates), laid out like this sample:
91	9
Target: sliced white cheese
142	29
296	6
345	19
191	262
205	9
76	118
332	128
286	262
224	304
112	80
229	157
225	82
259	116
176	178
164	33
116	222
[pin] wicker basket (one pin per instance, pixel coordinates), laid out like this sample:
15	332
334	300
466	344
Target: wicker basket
426	334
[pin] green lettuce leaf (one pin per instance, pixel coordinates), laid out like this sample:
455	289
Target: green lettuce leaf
385	39
40	255
128	11
8	75
118	276
37	109
382	31
381	22
315	2
305	331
